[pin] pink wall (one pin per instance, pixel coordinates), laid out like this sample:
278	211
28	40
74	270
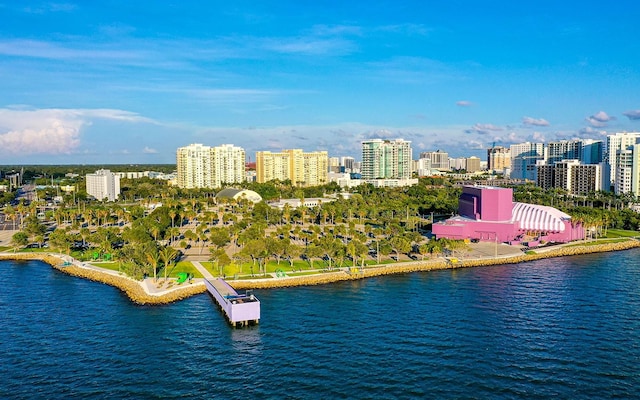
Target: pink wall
486	203
506	231
488	213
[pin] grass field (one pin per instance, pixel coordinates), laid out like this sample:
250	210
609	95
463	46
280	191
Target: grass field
619	233
597	242
112	265
182	266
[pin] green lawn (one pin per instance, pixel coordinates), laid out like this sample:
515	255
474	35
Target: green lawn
616	233
114	266
182	266
302	273
35	250
597	242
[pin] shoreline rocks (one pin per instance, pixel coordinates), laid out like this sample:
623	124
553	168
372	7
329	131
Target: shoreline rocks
131	288
430	265
137	294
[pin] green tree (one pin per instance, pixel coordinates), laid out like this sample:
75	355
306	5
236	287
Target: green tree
154	258
220	259
168	255
219	236
19	239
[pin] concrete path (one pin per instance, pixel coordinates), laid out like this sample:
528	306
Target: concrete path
6	236
202	270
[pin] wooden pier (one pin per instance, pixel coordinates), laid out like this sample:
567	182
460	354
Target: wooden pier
240	309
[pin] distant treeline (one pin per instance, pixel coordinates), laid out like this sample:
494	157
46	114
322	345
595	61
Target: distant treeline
59	171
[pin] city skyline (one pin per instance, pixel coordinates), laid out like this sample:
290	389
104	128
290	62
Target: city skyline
129	83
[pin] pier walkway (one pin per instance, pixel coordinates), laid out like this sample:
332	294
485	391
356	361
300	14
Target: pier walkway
206	274
240	309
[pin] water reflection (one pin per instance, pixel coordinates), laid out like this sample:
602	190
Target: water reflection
246	340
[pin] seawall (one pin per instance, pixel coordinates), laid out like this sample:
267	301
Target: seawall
130	287
136	292
430	265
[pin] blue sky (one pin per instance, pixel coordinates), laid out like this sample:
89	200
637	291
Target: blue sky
131	81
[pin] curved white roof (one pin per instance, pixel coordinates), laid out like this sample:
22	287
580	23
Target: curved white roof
235	194
539	218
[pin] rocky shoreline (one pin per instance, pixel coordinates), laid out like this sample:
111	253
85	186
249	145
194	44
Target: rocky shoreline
430	265
136	292
130	287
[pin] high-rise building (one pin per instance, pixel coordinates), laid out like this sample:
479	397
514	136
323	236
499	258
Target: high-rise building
439	159
564	150
200	166
334	164
347	163
194	166
103	184
615	143
296	166
592	151
571	175
457	164
524	157
472	164
498	158
227	165
386	159
628	171
587	151
545	176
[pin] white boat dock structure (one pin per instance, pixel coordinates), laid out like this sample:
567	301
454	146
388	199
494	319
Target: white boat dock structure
240	309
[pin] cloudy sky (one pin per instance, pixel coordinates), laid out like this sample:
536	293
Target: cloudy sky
130	81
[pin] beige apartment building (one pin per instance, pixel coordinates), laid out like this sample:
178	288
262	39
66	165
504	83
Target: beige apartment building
200	166
498	158
302	169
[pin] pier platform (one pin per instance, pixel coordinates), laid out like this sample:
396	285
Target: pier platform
240	309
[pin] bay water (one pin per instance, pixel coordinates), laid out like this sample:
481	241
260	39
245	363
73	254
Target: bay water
562	327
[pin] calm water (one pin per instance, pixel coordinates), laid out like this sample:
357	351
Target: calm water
567	328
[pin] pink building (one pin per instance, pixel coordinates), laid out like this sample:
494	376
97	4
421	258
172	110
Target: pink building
489	213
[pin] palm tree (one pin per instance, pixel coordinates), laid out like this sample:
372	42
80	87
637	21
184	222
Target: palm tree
167	255
153	258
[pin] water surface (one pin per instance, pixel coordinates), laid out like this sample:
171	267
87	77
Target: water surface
564	327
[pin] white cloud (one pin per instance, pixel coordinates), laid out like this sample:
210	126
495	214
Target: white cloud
484	129
309	45
464	103
633	114
52	131
52	50
408	29
589	132
599	119
535	121
149	150
539	137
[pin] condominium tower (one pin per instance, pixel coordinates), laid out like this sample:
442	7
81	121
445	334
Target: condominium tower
571	175
386	159
103	184
587	151
524	157
616	143
200	166
498	158
439	159
628	171
294	165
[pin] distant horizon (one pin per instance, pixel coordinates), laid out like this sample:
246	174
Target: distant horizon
130	83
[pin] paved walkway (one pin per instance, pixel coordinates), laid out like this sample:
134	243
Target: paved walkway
6	236
202	270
